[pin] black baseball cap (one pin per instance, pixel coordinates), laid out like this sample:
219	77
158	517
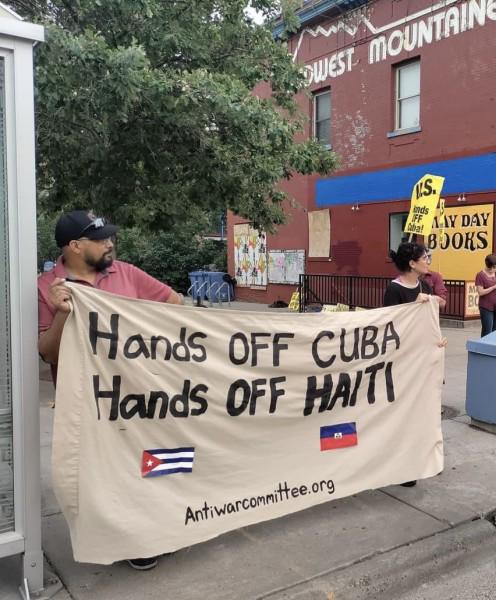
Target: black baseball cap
81	223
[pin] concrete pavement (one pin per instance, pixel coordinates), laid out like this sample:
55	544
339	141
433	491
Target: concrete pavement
434	541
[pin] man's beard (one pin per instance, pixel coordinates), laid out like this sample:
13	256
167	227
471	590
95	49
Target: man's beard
101	264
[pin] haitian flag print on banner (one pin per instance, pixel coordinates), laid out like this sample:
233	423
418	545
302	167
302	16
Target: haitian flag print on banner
338	436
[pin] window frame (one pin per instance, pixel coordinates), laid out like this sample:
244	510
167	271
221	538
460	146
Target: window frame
315	95
397	100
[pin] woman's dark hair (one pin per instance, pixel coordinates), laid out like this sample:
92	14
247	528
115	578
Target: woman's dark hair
490	260
406	252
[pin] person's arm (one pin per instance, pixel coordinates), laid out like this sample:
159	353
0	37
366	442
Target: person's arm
49	340
480	279
150	288
484	291
423	298
175	298
440	291
441	301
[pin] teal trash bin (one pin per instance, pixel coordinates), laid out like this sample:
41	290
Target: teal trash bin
199	284
481	390
220	288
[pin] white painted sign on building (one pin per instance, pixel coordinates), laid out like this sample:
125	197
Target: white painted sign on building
439	21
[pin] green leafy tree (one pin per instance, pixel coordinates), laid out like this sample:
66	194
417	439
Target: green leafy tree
146	108
171	256
47	248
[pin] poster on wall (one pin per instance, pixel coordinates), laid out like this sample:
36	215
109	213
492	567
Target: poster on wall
458	251
250	256
286	266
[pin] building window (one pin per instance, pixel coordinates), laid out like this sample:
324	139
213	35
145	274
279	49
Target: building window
408	96
397	222
322	117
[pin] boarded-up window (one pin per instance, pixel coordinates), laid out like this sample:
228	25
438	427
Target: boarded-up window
319	233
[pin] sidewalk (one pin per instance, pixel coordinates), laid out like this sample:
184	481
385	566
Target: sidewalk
430	542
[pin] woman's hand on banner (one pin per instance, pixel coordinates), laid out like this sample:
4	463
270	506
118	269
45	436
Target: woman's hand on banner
422	298
443	342
59	295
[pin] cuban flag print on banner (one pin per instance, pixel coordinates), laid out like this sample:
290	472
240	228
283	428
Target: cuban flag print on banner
338	436
167	461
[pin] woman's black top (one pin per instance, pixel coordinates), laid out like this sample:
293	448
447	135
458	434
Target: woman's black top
399	294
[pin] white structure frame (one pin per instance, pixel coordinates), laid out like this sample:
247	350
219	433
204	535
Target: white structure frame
16	48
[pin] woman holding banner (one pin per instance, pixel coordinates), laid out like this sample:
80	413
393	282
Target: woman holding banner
485	281
412	262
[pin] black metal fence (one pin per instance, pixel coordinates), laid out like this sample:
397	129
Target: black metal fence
366	292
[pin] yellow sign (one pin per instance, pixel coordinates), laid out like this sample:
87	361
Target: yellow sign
425	196
335	307
471	299
467	238
294	303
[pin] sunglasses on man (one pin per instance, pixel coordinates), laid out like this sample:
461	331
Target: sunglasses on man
95	224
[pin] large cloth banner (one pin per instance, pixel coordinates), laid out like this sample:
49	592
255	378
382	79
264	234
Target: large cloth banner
174	424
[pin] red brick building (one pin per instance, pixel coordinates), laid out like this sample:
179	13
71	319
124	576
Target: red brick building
398	89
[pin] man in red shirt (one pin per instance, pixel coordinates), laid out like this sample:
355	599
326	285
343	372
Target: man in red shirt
87	258
436	283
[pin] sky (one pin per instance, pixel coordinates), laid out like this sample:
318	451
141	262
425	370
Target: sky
257	17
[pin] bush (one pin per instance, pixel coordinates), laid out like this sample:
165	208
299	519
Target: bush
47	248
169	257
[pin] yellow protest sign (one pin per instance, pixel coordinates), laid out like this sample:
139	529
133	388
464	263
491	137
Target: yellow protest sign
425	196
335	307
329	308
294	303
